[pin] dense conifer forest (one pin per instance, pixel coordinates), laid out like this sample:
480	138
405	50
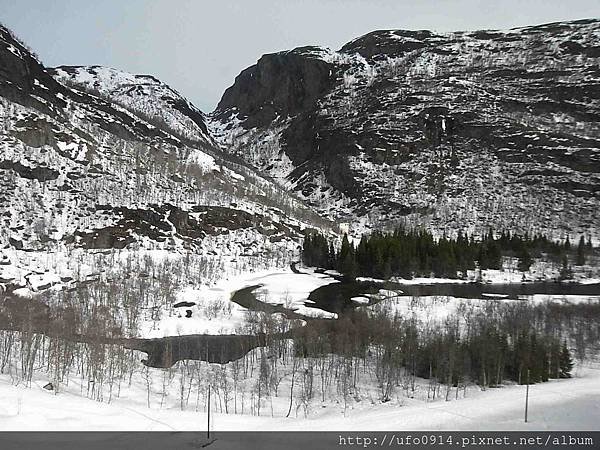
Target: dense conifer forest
408	253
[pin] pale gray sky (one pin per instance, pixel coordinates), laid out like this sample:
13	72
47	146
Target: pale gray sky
198	47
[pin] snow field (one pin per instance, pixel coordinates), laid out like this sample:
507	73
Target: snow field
572	404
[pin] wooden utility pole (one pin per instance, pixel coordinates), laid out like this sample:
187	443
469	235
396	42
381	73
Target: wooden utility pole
208	416
527	396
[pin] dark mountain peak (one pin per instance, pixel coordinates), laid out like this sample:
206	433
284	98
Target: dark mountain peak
279	85
395	43
390	43
23	78
559	27
310	51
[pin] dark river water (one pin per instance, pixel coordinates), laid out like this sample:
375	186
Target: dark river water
164	352
335	298
246	298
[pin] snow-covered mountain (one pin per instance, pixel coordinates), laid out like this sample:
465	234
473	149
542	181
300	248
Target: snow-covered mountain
96	159
459	130
143	94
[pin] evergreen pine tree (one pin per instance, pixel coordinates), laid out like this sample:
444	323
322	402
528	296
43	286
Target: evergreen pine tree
331	256
307	250
345	248
565	362
554	364
349	267
525	259
347	260
494	255
387	269
566	273
581	252
482	256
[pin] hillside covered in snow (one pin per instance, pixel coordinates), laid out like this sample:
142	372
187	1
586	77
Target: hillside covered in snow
458	130
96	160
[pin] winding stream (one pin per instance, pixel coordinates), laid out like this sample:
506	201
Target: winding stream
335	298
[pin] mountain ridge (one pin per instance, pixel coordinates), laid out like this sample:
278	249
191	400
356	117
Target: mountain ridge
397	126
125	165
400	117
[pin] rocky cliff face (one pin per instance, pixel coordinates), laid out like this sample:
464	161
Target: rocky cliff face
22	78
459	130
279	85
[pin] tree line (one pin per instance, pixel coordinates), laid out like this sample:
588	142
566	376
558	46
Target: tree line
485	348
408	253
376	349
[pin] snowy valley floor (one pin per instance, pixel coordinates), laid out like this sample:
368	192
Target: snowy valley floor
572	404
